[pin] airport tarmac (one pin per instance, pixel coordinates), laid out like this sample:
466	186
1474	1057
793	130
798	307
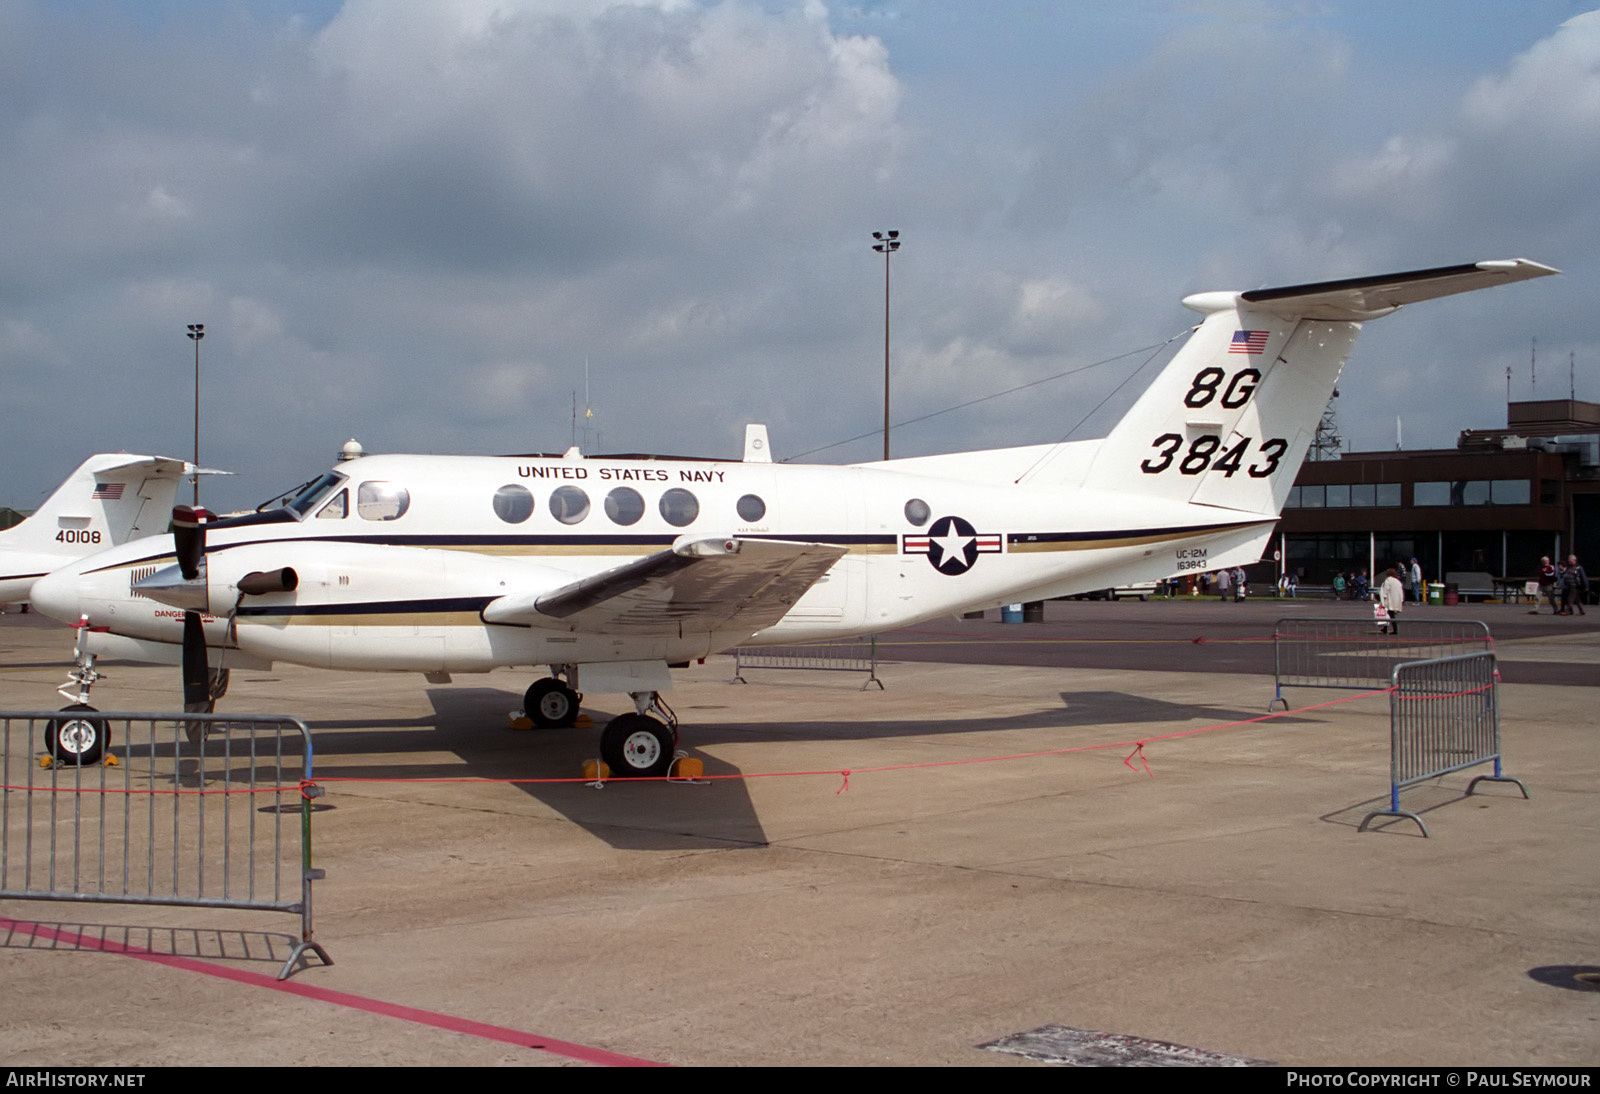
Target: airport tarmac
902	915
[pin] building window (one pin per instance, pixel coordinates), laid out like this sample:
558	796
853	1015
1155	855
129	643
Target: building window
1338	497
1313	497
1510	492
1364	495
1389	495
1430	493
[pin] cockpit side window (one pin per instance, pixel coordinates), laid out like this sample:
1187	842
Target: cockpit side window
382	500
336	509
312	493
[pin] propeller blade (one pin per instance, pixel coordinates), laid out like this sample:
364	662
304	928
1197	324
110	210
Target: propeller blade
189	539
196	669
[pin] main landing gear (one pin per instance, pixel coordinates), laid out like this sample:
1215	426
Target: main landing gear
551	704
632	745
638	746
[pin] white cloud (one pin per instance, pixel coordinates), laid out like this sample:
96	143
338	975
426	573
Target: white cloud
416	221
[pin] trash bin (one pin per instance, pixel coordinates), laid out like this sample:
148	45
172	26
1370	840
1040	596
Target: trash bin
1011	613
1033	611
1435	592
1452	594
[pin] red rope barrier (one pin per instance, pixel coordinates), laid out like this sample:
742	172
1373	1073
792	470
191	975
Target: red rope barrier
1137	746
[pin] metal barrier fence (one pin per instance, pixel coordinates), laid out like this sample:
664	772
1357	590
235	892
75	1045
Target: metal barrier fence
1444	716
860	655
197	810
1354	653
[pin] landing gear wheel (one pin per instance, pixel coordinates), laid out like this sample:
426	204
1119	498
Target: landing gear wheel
635	746
75	738
551	704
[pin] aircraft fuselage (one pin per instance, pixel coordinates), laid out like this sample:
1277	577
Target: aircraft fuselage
386	583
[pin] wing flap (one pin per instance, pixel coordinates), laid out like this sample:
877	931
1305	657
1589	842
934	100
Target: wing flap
697	585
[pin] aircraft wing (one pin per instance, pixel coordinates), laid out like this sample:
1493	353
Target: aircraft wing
699	584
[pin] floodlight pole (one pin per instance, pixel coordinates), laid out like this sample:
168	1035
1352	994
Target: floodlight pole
888	243
197	331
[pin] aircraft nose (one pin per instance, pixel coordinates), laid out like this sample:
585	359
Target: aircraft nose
57	595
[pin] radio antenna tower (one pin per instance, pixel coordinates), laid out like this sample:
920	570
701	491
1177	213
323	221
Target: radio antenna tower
1326	442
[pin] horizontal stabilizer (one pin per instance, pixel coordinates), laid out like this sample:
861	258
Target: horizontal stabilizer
1358	298
697	585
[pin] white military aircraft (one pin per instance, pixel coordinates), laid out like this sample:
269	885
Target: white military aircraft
610	570
111	498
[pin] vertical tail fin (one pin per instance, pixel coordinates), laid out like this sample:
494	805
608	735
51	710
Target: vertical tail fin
109	499
1228	421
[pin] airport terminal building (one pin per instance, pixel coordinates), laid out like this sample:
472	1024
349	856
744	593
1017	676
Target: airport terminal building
1493	504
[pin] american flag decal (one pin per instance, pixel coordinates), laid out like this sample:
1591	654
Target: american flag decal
108	491
1248	341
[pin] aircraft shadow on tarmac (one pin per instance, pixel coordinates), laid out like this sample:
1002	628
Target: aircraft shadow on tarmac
471	723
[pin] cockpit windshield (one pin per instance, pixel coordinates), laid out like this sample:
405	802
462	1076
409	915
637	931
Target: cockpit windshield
304	498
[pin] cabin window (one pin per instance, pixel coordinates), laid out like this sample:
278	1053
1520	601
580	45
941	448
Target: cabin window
337	509
679	507
382	501
569	505
751	508
917	512
513	504
624	505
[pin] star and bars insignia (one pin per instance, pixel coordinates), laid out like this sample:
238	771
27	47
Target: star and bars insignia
952	545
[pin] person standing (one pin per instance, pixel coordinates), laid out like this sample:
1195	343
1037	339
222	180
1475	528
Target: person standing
1392	597
1224	581
1417	588
1240	580
1574	586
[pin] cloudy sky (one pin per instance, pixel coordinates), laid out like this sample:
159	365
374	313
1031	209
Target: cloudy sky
414	223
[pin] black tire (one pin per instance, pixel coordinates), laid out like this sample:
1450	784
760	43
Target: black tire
637	747
551	704
76	740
